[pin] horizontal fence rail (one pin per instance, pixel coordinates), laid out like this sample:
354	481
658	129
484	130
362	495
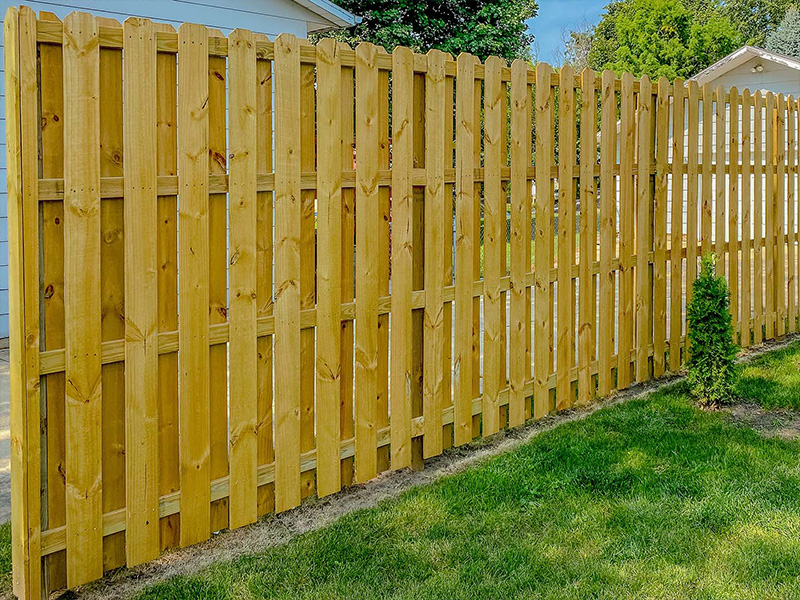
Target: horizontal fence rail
246	272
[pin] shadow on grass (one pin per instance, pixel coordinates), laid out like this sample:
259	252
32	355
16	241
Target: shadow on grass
650	499
773	379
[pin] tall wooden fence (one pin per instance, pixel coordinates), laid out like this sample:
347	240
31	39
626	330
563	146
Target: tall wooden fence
216	242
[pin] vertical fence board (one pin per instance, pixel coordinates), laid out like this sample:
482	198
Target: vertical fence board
707	198
141	292
384	258
329	267
608	228
566	238
660	229
747	227
520	335
367	216
733	207
494	246
346	418
466	128
791	216
193	294
167	241
433	376
588	237
287	270
217	278
720	147
82	298
264	277
112	256
52	241
758	218
543	249
692	230
676	225
307	268
779	206
243	500
21	139
627	209
770	210
402	254
644	229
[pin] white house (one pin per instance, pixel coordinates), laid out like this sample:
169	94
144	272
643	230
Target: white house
754	69
272	17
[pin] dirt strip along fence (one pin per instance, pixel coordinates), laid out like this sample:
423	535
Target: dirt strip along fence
245	272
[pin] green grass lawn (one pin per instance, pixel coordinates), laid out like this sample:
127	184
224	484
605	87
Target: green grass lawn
649	499
773	380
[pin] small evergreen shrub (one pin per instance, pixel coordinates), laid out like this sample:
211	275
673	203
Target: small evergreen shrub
712	351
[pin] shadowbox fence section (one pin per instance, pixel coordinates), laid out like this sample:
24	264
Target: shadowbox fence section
248	271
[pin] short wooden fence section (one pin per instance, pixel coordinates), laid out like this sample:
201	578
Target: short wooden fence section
246	271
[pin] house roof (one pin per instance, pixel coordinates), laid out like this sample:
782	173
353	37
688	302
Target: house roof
741	56
335	15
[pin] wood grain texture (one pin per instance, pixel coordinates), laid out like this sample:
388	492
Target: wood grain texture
402	255
588	238
520	244
627	215
644	231
733	208
433	373
494	246
747	220
242	257
661	121
82	298
677	225
141	293
566	238
193	293
21	146
608	233
287	270
329	267
543	246
758	219
367	215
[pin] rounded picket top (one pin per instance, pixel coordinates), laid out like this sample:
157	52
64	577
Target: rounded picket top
587	73
403	52
495	62
242	37
327	51
163	27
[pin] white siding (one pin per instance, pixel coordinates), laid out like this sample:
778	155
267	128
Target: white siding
264	16
775	78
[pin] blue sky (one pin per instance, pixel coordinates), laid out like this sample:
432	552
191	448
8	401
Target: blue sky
555	15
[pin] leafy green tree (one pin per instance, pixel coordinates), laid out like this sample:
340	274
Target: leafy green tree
481	27
662	37
756	19
786	38
712	352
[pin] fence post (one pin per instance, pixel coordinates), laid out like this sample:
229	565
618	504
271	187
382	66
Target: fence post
22	157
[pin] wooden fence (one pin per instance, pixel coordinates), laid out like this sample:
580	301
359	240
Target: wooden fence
215	242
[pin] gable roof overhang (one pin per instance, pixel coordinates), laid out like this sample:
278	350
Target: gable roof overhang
333	15
741	56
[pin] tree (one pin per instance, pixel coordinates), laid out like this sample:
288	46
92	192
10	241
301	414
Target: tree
662	37
756	19
481	27
786	38
576	45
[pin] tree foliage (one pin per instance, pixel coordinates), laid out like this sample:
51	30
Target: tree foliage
661	37
786	38
756	19
712	352
481	27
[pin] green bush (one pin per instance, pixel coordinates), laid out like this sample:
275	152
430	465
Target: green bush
712	351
